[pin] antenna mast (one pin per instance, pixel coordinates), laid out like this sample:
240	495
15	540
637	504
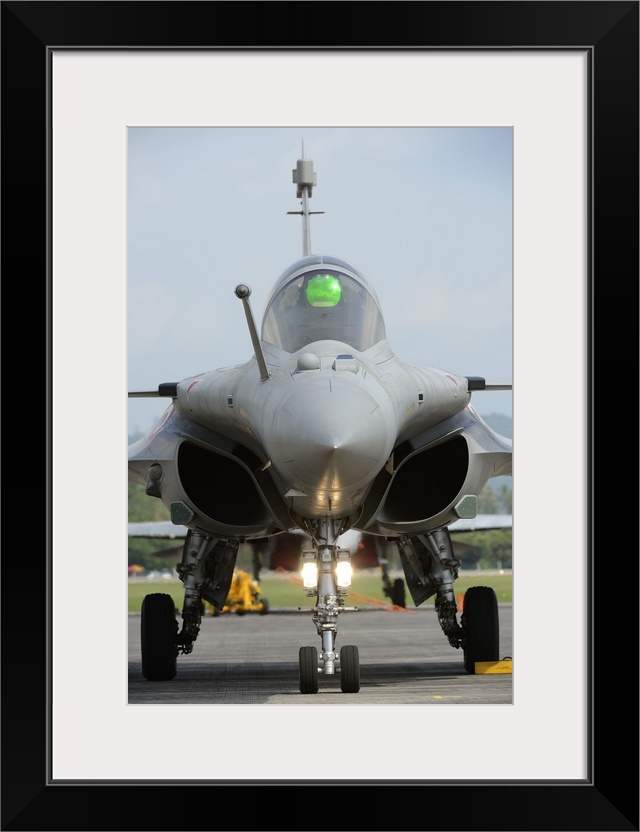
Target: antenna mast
305	178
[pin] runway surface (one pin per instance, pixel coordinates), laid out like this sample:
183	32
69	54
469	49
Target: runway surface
253	659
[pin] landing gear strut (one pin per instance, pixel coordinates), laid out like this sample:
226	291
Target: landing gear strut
327	575
394	590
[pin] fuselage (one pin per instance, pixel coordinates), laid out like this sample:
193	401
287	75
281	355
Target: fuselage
339	427
327	418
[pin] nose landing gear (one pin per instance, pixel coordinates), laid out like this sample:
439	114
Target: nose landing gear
326	574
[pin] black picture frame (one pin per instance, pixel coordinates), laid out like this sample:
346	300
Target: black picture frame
608	799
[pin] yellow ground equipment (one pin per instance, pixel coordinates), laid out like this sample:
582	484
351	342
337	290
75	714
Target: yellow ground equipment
243	596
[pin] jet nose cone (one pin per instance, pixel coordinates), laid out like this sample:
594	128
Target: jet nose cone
342	445
331	442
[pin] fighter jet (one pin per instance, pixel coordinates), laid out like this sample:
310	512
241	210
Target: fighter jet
324	429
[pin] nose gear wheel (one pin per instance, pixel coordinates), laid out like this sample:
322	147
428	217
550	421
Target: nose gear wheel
349	669
308	660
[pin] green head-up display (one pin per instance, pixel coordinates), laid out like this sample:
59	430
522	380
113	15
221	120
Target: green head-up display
324	290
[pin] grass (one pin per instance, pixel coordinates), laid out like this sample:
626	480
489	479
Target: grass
286	591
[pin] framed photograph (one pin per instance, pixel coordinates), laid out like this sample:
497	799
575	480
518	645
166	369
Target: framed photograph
564	78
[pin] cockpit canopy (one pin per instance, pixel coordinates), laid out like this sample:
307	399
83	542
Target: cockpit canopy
322	298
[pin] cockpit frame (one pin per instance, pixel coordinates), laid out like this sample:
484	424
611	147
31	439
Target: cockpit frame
349	313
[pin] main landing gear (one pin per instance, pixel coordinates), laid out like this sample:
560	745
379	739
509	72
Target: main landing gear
206	570
431	568
326	574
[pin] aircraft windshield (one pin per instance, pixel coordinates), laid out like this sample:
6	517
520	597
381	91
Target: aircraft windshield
323	304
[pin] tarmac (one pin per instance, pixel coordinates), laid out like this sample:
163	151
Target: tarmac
405	658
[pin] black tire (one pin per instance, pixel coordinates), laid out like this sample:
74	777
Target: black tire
158	637
481	629
398	596
308	661
265	606
349	669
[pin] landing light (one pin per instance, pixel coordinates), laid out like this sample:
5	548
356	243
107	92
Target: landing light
343	572
309	573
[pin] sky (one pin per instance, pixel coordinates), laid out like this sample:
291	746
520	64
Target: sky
424	213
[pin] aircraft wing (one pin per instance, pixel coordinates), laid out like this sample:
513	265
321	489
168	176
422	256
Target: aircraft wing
481	522
158	529
165	529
